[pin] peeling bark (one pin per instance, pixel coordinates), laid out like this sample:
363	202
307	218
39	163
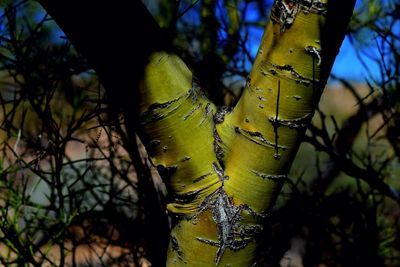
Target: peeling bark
224	167
258	138
231	233
284	12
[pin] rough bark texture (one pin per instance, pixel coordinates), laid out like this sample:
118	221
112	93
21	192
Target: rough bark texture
224	167
224	185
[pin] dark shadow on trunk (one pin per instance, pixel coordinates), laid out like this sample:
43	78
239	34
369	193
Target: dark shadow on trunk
117	38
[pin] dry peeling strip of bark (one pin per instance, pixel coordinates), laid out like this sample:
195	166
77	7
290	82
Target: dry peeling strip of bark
181	198
313	6
156	111
257	138
220	172
260	217
315	52
281	70
192	111
292	76
175	246
219	116
273	177
231	234
298	123
159	111
284	12
218	151
202	177
187	197
207	112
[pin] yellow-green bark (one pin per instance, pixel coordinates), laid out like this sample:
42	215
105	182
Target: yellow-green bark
223	169
175	117
278	102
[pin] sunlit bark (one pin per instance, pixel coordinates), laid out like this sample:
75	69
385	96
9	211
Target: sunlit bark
224	167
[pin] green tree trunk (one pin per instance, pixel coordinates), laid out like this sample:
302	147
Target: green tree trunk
224	167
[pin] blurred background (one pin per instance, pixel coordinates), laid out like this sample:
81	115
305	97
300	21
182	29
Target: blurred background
73	192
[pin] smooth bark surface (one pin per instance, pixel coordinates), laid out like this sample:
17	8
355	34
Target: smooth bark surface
224	167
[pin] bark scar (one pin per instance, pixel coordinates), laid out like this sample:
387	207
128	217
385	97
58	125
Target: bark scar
231	233
297	123
284	12
315	52
258	138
